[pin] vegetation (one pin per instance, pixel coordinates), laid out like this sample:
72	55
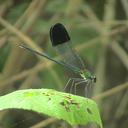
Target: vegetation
99	34
73	109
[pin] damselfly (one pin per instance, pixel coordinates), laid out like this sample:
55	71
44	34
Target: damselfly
61	41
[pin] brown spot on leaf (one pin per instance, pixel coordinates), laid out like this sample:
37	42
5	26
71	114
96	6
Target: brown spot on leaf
89	111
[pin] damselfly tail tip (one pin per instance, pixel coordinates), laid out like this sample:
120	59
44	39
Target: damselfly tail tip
59	34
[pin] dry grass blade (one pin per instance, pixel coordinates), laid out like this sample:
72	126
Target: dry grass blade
111	91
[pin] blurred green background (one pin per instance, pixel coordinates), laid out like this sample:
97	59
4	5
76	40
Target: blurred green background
98	29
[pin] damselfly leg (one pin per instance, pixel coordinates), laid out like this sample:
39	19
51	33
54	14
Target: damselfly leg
74	82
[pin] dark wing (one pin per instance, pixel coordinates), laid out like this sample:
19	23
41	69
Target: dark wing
61	41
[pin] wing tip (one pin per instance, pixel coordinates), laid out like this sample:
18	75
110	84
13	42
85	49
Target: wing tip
58	34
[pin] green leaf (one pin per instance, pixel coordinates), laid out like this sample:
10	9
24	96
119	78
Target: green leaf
71	108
